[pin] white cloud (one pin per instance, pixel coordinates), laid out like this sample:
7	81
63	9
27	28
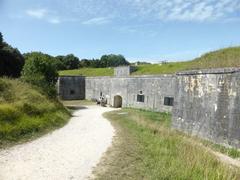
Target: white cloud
37	13
185	10
96	21
96	12
54	20
44	14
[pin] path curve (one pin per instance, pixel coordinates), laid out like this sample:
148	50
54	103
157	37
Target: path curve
67	153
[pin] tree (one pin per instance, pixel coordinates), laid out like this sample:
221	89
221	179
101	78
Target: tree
1	38
71	62
59	63
40	71
113	60
85	63
11	60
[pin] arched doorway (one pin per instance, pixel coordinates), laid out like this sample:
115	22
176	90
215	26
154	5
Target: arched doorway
117	101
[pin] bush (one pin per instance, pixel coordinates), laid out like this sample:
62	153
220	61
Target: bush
40	71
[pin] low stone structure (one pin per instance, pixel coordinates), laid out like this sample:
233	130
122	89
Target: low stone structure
205	103
71	87
123	71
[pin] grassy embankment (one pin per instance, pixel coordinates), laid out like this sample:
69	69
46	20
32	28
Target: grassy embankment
88	72
146	148
228	57
26	113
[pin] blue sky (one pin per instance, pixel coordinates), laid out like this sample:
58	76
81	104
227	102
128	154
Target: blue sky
145	30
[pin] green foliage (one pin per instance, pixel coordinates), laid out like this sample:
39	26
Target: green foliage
111	60
39	70
71	62
59	63
11	60
28	113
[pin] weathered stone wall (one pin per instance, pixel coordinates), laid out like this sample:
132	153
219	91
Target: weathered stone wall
154	89
207	104
71	87
123	71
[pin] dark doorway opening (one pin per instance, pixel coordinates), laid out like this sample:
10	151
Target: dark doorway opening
117	101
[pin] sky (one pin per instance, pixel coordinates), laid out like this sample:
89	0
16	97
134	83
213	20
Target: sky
141	30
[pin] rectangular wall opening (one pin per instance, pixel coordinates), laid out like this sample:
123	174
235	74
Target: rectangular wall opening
140	98
72	92
168	101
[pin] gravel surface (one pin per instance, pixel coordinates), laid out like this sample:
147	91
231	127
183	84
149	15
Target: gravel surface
67	153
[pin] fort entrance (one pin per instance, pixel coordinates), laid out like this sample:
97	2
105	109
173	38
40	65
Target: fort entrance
117	101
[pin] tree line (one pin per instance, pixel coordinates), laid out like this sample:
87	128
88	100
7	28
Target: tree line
41	69
12	61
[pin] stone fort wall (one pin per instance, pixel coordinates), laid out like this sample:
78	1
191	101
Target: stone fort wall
152	89
205	103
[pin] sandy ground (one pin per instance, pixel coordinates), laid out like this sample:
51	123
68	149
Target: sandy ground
68	153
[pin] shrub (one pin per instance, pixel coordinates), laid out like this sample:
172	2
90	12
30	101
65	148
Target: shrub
40	71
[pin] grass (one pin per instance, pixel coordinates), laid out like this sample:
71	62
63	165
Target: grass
146	148
26	113
88	72
228	57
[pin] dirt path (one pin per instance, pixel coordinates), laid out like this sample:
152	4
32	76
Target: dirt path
68	153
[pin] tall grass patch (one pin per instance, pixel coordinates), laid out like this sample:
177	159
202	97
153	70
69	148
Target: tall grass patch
149	149
25	112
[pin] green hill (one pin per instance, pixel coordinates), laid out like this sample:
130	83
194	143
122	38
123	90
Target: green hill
25	112
228	57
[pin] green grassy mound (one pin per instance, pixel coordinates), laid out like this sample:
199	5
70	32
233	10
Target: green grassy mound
88	72
228	57
24	111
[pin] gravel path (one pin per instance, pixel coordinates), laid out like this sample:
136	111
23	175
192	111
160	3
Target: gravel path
68	153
